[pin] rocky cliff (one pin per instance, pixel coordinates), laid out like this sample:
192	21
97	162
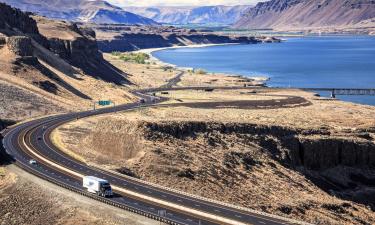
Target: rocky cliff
305	14
11	19
129	38
341	164
312	149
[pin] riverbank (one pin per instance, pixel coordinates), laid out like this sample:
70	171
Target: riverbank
309	62
153	59
260	80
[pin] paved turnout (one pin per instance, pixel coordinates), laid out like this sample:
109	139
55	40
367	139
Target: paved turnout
23	141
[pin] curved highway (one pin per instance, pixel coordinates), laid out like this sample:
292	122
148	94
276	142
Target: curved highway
31	140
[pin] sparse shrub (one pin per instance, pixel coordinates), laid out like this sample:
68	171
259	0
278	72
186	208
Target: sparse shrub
116	53
200	71
139	58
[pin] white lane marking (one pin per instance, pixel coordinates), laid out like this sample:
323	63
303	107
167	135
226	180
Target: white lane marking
190	210
238	216
261	222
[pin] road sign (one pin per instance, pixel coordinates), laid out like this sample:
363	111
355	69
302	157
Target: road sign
104	102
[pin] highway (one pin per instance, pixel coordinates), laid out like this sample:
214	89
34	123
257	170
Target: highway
31	140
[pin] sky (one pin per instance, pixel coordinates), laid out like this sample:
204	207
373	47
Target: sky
181	2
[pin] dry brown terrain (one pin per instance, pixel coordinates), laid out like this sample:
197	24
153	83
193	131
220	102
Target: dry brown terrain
206	152
141	75
350	16
25	199
42	82
156	74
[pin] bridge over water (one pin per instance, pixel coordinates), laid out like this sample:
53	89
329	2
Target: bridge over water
344	91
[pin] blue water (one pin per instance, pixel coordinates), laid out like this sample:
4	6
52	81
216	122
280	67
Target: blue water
330	61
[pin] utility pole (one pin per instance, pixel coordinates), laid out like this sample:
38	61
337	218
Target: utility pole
94	105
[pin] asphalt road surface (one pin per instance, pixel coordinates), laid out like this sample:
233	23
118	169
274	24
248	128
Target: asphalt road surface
23	141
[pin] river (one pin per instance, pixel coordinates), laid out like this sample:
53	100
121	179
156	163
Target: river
327	61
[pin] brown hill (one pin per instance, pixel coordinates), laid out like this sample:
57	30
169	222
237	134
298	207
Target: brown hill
304	14
53	65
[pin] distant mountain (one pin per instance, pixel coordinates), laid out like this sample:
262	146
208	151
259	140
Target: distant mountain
192	15
96	11
295	14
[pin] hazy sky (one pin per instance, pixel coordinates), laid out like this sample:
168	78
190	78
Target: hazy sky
181	2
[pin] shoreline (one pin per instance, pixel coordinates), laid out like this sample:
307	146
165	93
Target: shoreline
157	61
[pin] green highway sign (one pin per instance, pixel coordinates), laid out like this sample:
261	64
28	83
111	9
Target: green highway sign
104	102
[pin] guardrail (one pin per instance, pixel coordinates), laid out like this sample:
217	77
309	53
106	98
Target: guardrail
244	209
344	91
148	214
97	198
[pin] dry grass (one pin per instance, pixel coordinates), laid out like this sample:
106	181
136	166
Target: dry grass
32	201
6	178
55	28
142	75
337	115
216	95
113	141
267	185
2	172
56	140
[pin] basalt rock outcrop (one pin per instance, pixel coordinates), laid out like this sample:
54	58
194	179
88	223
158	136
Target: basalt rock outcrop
76	51
11	18
129	38
134	41
340	163
312	149
20	45
75	45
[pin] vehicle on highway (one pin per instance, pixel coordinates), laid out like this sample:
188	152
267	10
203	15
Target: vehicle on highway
97	186
39	138
32	162
142	101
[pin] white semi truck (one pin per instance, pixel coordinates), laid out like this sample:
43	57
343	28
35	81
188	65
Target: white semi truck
97	186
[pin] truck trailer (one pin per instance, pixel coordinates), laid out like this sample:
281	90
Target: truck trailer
97	186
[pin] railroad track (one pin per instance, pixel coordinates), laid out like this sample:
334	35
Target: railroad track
31	140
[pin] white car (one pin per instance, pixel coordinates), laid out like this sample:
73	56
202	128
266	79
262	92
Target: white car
32	162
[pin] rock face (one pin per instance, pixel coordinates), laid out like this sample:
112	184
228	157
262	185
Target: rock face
312	149
76	46
293	14
14	18
76	51
20	45
129	38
